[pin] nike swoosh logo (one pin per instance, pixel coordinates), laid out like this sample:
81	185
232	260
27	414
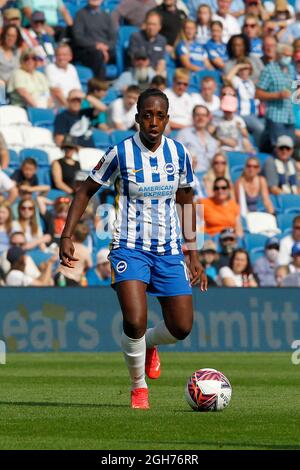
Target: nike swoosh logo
136	171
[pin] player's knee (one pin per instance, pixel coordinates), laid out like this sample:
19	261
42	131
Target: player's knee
134	328
182	331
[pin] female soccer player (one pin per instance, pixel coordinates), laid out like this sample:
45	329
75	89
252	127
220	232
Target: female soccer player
154	173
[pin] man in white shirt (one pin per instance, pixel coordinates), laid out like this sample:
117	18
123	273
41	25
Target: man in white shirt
7	185
230	24
180	102
62	75
123	110
286	243
207	96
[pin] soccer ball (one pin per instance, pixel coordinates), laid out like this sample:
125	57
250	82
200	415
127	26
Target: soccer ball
208	390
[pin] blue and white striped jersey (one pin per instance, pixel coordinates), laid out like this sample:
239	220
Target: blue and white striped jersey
146	215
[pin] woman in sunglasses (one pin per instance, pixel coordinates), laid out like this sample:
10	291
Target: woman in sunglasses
251	188
28	223
221	211
219	168
27	86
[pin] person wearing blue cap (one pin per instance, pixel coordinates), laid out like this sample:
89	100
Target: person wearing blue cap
293	279
266	265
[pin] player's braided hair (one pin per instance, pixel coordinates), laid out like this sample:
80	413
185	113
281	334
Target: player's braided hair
147	94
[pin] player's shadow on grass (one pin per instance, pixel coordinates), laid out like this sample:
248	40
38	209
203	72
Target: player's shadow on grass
61	404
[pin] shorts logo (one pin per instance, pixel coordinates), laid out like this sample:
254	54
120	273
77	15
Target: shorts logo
121	267
169	168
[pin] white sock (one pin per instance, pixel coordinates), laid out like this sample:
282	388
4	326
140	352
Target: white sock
159	335
135	353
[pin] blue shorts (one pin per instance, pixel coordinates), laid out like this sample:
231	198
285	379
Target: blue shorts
165	275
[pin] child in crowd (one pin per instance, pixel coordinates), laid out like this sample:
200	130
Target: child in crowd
96	91
27	180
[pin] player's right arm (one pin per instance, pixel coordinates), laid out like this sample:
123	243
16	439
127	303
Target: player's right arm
66	250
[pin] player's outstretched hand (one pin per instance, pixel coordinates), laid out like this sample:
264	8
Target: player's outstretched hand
66	252
198	275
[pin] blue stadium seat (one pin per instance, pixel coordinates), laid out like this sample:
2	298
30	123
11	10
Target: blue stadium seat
102	139
285	221
111	95
254	240
39	256
122	44
275	201
40	156
256	253
55	193
43	175
237	158
118	136
290	203
41	117
109	5
263	157
111	71
84	74
235	172
14	159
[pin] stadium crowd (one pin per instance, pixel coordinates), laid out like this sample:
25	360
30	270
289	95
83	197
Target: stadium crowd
70	76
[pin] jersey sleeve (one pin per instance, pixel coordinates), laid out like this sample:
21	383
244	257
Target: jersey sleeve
107	169
186	176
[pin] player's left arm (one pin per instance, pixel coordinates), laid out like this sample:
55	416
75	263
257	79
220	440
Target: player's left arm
184	197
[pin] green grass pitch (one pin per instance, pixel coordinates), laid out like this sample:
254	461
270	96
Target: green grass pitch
81	401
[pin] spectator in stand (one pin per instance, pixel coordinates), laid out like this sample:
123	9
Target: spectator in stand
208	258
239	272
160	82
201	145
27	86
16	277
59	215
75	121
256	8
239	78
218	168
274	87
231	129
269	47
131	12
193	6
189	52
28	223
94	38
180	102
4	154
287	242
140	74
280	274
62	75
75	276
64	169
282	14
27	180
220	210
37	38
293	278
5	225
228	243
251	187
96	91
203	23
237	9
172	21
265	266
101	274
238	49
31	269
150	40
52	9
10	51
208	96
215	47
251	29
280	170
123	110
230	23
8	186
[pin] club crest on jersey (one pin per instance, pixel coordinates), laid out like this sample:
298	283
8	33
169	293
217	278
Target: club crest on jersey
121	267
169	169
